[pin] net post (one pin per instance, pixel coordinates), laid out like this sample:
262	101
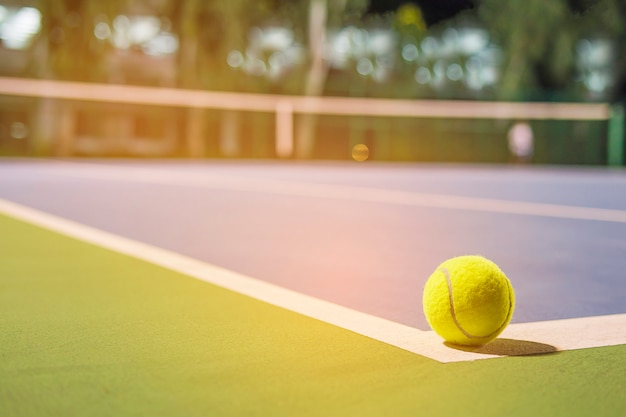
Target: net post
67	130
615	138
284	129
194	132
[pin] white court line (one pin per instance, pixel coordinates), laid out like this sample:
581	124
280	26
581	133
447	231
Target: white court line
342	192
561	334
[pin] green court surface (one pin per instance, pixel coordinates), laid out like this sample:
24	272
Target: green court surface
85	331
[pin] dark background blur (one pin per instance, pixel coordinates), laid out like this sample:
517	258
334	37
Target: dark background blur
489	50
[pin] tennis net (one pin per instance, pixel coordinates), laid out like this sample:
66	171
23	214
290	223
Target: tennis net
45	117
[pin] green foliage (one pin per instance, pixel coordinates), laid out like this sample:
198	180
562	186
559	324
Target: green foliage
208	30
73	52
346	12
540	36
527	32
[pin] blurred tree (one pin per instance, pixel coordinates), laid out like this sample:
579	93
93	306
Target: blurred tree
540	37
208	30
323	15
533	33
607	19
68	48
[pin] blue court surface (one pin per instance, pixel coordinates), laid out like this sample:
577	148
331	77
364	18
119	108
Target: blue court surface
364	236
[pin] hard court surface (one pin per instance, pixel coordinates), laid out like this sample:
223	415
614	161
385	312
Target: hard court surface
90	331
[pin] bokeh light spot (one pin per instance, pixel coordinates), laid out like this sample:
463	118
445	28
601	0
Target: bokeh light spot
360	152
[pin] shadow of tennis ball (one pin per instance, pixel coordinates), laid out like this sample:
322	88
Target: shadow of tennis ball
508	347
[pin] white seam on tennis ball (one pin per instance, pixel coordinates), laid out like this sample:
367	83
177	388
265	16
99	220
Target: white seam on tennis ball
451	297
453	312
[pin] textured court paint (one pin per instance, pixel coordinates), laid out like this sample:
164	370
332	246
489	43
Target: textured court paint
341	192
85	331
560	334
214	225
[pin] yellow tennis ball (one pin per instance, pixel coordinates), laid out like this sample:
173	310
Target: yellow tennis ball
468	300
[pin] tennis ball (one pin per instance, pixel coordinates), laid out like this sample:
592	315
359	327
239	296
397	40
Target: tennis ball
468	300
